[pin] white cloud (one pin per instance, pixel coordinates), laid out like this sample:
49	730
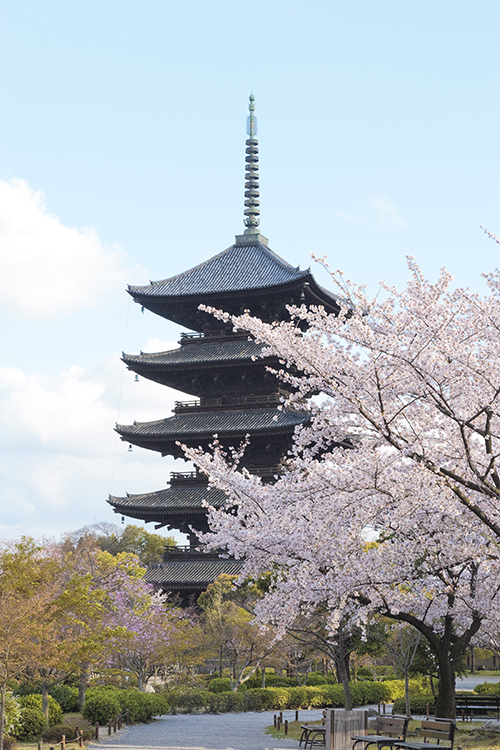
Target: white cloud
47	268
387	214
60	455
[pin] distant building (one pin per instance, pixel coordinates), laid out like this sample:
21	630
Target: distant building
235	394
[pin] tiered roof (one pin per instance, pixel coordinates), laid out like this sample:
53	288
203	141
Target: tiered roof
238	397
247	272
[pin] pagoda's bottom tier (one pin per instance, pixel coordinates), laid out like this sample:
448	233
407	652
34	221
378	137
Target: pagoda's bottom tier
189	578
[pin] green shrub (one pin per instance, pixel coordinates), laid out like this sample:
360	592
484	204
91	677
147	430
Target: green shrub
35	701
33	723
316	678
27	688
418	704
219	685
101	707
186	703
216	703
66	696
12	715
259	699
297	697
490	688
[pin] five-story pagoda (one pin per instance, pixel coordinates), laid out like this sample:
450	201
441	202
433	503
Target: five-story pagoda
236	395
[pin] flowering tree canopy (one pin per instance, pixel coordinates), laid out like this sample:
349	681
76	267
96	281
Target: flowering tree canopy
390	501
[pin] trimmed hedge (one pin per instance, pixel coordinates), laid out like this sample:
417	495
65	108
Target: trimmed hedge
66	696
418	704
280	698
488	688
101	707
35	701
33	722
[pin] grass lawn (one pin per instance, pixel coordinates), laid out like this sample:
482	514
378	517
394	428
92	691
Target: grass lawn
469	734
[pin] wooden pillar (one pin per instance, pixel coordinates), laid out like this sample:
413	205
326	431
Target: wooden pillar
341	724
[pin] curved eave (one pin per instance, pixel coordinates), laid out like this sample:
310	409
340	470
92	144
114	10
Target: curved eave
202	427
183	309
191	575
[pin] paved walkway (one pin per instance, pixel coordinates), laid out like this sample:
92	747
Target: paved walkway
239	731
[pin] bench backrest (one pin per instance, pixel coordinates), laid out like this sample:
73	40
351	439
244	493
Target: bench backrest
477	700
394	726
438	729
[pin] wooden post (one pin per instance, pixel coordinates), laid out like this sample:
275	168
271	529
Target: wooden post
80	738
296	715
281	717
40	744
286	726
114	724
97	731
63	742
275	721
340	725
109	726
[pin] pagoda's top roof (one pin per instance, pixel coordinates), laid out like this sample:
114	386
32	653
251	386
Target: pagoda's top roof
240	267
171	500
191	574
207	424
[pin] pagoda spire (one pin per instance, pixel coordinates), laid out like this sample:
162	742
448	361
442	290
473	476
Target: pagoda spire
252	203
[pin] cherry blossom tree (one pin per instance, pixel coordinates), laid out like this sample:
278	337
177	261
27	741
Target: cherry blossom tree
390	498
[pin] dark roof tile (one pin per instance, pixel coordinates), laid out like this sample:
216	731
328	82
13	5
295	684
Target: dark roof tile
204	424
192	573
240	267
171	500
199	353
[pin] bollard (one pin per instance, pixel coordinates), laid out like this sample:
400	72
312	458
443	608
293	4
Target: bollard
109	726
286	726
296	715
281	717
275	721
97	731
63	742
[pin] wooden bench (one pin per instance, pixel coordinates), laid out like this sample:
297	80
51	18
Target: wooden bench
312	734
441	730
469	706
384	730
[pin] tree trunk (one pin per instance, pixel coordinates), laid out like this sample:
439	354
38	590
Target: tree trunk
3	693
82	684
343	670
407	691
445	702
45	700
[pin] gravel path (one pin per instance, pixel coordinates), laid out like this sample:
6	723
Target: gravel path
243	731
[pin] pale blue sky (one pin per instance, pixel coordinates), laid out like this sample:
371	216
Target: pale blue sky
378	131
